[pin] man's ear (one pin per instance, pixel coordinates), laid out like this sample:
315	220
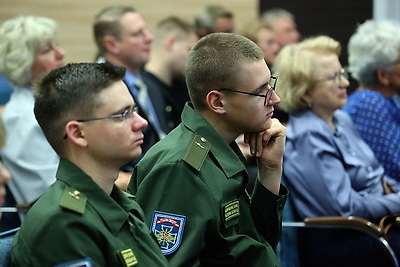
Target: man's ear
111	44
382	76
75	134
215	101
169	42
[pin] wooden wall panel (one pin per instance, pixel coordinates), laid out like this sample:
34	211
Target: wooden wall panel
75	17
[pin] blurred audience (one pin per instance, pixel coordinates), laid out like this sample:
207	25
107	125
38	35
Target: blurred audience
214	18
283	24
5	92
5	175
173	38
28	50
284	27
374	61
328	167
262	34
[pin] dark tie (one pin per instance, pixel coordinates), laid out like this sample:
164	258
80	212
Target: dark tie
145	103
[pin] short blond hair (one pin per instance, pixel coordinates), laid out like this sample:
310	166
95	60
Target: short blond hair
295	66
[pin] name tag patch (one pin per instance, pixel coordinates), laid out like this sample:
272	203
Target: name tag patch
168	229
230	213
128	257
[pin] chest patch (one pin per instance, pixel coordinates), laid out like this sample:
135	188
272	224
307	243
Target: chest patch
230	213
168	229
128	257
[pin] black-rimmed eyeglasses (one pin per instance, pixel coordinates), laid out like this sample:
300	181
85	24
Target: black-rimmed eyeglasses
337	76
128	113
267	96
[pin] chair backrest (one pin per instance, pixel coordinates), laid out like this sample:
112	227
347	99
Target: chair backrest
289	250
6	239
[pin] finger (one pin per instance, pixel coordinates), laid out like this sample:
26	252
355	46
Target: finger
259	143
252	142
246	138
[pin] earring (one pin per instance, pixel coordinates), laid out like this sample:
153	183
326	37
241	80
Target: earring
309	104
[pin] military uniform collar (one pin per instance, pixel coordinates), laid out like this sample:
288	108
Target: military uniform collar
228	156
113	209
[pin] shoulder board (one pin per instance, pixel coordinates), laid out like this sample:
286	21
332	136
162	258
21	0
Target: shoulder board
73	200
197	152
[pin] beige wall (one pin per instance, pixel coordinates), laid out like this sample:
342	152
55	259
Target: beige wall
75	17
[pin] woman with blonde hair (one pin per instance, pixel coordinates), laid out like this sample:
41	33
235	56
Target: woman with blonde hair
28	50
329	169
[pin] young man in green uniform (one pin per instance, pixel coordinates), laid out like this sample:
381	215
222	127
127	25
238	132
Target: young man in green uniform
191	185
84	219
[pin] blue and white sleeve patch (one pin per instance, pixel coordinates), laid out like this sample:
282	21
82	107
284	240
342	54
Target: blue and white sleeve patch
168	229
85	262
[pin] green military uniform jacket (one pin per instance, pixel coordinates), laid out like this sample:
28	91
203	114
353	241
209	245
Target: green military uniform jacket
191	186
75	221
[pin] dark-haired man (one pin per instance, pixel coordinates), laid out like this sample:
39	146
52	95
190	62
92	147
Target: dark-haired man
84	219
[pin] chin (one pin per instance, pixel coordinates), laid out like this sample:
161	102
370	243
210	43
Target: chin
267	124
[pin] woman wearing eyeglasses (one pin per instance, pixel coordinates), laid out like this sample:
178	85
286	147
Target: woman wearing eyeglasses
374	61
329	169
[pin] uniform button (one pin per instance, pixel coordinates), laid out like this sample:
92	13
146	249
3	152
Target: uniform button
203	139
168	108
171	124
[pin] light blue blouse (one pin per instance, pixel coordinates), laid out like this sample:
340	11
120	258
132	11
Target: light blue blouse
331	172
377	119
27	154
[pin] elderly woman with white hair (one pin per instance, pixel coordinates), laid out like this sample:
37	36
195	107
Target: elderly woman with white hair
374	61
28	50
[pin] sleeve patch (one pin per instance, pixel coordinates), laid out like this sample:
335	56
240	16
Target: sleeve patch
168	229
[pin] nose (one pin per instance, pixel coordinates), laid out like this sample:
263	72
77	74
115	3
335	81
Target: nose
274	99
344	82
139	122
148	35
60	53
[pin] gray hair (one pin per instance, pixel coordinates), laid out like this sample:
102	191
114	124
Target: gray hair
271	14
374	45
19	39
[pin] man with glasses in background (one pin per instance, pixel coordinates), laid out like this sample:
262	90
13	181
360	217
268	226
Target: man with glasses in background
191	185
84	219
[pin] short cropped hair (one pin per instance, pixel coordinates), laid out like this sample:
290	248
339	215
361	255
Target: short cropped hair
71	93
107	22
295	65
20	38
374	45
172	26
215	62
